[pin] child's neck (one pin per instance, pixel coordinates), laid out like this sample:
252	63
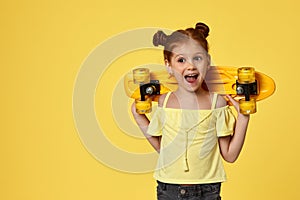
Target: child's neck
199	99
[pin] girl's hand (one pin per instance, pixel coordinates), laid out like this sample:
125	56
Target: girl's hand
233	102
236	105
133	110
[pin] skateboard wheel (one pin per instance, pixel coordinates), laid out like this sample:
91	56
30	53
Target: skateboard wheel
247	107
141	76
246	75
143	107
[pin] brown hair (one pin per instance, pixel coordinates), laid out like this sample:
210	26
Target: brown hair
199	34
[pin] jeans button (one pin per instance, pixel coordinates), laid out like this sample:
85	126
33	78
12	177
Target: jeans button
182	191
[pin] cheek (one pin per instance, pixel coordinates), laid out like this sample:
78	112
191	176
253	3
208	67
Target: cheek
203	71
205	66
177	73
177	68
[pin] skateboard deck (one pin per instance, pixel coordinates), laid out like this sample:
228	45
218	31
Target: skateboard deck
244	84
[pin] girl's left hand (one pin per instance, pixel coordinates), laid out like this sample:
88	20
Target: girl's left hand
234	102
236	105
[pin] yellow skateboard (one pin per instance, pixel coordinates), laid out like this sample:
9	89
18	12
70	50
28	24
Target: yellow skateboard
244	84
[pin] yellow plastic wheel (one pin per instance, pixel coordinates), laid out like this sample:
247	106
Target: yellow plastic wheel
143	107
141	75
247	107
246	75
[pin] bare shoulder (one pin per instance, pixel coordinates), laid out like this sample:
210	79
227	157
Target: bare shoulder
161	100
221	101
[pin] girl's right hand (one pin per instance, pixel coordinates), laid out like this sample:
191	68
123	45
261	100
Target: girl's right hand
133	109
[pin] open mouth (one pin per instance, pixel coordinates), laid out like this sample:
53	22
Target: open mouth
191	77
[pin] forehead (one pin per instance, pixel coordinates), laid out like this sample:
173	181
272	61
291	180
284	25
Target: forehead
188	47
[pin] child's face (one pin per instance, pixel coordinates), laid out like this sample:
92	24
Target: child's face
189	64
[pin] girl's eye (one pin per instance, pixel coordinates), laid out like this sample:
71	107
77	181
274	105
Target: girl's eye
198	58
181	60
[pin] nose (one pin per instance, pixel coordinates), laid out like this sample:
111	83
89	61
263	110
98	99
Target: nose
190	66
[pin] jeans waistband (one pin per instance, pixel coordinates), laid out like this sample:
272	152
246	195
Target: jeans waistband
209	187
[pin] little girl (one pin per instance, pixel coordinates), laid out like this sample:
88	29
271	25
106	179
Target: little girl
192	129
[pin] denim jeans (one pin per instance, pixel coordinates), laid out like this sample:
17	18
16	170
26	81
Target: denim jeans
166	191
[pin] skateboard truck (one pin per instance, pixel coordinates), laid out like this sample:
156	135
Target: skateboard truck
246	85
147	87
152	88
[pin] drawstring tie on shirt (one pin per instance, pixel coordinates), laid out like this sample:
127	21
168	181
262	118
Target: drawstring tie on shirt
186	162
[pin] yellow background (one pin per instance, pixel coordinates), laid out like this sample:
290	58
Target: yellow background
43	45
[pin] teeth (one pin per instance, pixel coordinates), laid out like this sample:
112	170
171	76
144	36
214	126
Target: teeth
191	75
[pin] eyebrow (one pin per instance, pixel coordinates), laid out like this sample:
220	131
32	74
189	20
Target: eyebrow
203	53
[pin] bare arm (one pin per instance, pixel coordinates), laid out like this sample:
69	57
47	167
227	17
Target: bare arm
231	146
143	123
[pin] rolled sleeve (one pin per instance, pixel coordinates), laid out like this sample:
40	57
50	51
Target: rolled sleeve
156	123
225	122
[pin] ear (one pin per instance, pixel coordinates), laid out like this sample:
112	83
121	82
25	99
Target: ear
166	63
209	61
168	67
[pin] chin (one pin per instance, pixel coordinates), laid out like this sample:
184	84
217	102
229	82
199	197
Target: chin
194	87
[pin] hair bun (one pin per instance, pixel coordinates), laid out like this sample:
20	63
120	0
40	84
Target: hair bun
203	28
159	38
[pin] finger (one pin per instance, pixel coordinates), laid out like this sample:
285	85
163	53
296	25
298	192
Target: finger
230	98
233	101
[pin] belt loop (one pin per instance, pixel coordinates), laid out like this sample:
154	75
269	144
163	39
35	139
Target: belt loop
163	185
